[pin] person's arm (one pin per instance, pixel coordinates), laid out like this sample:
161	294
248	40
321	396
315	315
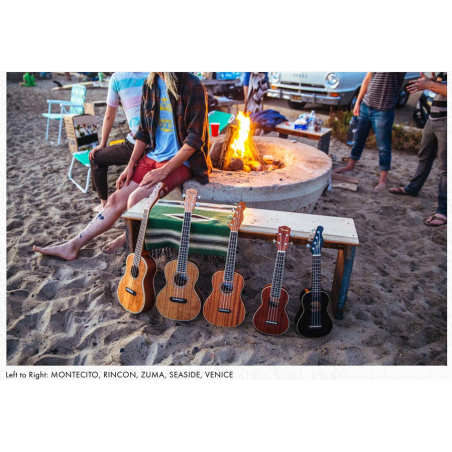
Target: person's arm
427	83
362	92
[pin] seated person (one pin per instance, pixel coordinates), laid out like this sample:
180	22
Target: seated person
176	146
127	88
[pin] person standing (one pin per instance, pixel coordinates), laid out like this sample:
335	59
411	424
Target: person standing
375	108
124	87
171	146
433	144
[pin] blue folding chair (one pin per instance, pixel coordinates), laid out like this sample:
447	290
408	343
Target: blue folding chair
75	106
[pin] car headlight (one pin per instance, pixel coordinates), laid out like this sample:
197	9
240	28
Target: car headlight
332	80
275	77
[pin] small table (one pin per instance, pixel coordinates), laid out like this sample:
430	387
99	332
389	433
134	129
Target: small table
339	234
287	128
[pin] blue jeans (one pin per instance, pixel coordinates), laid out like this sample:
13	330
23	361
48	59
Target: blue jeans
381	121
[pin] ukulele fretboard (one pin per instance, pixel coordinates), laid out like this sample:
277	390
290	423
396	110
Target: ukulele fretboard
316	273
231	256
184	243
278	275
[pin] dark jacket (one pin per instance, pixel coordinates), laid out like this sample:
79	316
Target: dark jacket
190	120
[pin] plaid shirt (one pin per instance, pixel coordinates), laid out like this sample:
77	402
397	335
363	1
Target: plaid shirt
190	120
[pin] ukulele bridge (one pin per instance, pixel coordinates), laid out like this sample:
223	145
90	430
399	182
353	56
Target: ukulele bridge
178	300
271	323
226	311
132	292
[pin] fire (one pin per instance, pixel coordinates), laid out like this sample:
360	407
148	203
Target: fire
239	145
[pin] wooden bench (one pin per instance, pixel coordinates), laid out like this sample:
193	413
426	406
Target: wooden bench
287	128
339	234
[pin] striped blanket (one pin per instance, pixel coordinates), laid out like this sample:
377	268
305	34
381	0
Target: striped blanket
209	233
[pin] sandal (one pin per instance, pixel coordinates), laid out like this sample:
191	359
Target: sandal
398	191
433	218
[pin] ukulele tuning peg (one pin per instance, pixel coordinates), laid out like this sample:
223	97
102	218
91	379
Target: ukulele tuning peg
308	246
183	196
197	204
292	235
199	197
313	229
274	241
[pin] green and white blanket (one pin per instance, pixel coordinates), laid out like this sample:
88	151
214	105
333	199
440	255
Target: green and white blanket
209	232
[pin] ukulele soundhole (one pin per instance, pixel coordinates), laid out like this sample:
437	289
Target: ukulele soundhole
227	287
315	306
180	279
134	271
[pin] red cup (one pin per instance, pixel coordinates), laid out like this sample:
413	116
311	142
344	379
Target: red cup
215	128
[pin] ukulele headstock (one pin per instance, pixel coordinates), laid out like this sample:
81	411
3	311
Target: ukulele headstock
237	217
154	196
190	197
317	241
283	238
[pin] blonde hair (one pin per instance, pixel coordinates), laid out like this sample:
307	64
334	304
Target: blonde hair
170	80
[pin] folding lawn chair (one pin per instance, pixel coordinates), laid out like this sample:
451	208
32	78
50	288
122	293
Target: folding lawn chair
78	95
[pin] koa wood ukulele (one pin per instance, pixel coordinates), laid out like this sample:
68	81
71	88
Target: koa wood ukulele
180	298
271	317
313	319
225	307
136	289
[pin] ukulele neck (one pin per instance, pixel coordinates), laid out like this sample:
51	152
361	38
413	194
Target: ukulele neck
316	273
278	275
184	242
140	239
230	259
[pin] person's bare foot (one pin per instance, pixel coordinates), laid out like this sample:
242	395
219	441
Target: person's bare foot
66	251
437	219
344	169
115	244
381	186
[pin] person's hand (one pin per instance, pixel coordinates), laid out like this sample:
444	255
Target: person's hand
124	178
419	85
154	177
97	148
356	109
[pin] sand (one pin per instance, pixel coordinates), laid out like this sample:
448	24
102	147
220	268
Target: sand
66	313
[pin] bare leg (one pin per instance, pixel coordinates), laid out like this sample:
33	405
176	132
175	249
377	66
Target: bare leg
116	204
100	206
349	167
135	197
382	184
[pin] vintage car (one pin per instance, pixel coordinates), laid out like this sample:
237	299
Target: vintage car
326	88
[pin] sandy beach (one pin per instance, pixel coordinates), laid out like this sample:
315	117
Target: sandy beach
67	313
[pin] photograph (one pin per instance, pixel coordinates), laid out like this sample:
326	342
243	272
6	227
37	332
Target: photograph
226	219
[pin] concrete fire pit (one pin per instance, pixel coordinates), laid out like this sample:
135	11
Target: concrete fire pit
294	188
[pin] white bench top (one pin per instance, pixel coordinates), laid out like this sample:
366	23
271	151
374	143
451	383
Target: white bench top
266	222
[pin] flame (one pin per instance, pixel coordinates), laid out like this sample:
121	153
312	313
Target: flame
239	144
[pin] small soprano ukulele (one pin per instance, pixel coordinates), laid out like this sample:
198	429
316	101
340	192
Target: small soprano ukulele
313	319
136	289
225	307
180	298
271	317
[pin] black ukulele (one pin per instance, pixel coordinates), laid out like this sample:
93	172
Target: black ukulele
313	319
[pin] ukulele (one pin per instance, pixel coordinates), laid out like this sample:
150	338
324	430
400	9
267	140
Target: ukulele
136	289
225	307
180	298
313	319
271	317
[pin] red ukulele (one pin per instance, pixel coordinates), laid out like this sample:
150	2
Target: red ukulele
271	317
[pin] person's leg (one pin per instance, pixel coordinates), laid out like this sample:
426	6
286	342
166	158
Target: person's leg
101	223
382	122
118	154
439	128
362	133
426	157
175	179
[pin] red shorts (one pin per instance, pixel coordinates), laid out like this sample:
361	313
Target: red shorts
175	179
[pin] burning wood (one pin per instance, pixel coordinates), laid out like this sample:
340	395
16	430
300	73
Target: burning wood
239	152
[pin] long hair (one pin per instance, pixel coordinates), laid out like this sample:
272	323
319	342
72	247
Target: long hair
169	78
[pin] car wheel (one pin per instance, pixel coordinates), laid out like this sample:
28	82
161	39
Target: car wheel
352	103
403	98
296	105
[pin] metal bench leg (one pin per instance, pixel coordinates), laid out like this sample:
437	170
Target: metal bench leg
59	133
47	131
341	282
87	181
324	143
